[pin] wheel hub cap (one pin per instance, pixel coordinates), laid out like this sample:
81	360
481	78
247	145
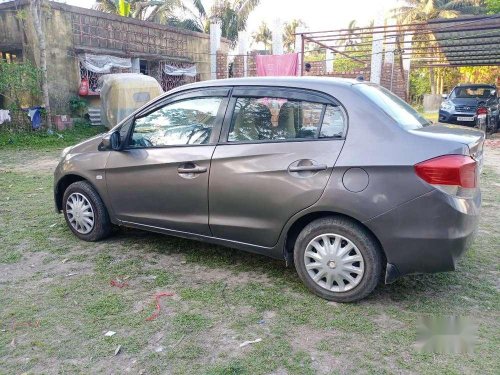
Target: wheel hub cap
80	213
334	262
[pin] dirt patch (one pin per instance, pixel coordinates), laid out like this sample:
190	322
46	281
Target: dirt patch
28	161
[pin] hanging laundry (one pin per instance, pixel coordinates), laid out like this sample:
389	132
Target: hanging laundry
4	116
35	115
277	65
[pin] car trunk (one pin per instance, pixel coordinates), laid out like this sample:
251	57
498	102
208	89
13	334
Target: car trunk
472	138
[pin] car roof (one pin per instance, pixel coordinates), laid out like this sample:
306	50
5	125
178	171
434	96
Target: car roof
299	82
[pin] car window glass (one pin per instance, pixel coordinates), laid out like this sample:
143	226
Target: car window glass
464	92
267	119
400	111
181	123
334	123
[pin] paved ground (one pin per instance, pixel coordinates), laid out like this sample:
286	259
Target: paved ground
57	302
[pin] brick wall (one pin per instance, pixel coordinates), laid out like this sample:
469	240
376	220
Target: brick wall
221	65
239	66
352	74
251	65
318	68
392	79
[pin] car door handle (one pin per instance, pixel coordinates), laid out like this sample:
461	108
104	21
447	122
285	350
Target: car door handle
308	168
195	169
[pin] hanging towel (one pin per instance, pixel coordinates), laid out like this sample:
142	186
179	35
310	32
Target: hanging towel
35	115
277	65
4	116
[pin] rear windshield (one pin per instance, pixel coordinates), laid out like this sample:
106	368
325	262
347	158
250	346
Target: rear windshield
395	107
463	92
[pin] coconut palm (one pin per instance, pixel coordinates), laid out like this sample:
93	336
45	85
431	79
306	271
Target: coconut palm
231	14
153	10
263	35
424	10
289	33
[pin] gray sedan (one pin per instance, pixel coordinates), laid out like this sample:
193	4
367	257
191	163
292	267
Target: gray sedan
340	177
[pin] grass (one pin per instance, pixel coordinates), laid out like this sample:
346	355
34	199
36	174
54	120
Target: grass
42	140
57	301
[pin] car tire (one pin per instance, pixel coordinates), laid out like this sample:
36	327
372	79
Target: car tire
85	212
339	235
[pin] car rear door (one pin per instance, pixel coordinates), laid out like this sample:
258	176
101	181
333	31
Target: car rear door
160	178
274	158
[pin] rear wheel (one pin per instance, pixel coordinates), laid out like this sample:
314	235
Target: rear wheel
85	212
338	259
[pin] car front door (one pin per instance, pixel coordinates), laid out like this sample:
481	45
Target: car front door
160	178
274	159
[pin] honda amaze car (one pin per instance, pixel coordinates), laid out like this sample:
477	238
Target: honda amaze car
340	177
461	106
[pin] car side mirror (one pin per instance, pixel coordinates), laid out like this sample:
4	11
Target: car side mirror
111	141
444	96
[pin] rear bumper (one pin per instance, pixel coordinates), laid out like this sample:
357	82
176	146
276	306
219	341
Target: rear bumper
428	234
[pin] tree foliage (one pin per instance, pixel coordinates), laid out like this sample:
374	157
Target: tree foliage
263	35
289	33
20	84
493	6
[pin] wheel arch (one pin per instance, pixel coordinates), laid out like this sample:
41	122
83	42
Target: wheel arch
300	223
63	184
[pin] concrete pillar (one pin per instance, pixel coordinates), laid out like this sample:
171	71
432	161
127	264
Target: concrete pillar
298	47
377	51
277	32
242	50
215	35
330	56
136	65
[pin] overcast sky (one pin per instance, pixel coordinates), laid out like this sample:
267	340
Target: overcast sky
317	14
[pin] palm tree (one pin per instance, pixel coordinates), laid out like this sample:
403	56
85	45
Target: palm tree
425	10
289	33
153	10
232	15
263	35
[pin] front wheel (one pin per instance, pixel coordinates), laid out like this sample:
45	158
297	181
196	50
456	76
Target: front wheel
85	212
338	259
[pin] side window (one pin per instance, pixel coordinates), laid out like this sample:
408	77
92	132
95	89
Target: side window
267	119
185	122
334	123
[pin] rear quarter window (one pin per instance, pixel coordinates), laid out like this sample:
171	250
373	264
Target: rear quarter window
395	107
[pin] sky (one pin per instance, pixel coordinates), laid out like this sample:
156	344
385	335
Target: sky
317	14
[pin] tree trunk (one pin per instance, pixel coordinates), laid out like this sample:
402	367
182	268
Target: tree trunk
36	12
432	81
401	67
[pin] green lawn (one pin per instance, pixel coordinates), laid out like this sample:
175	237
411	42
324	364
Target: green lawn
42	140
56	301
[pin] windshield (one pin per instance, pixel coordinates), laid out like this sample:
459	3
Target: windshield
472	92
404	114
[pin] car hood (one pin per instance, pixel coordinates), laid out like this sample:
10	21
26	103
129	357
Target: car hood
473	138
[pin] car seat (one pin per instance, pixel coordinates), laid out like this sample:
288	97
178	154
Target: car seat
286	122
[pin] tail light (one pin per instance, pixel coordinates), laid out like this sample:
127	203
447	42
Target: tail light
482	112
452	174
